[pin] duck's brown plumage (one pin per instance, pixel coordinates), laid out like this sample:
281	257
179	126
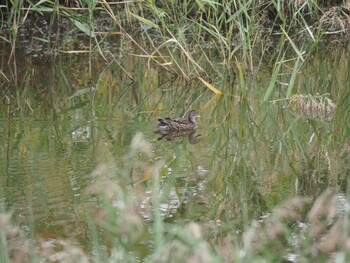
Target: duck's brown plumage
173	124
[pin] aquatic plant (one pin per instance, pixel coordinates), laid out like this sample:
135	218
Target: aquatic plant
144	59
319	107
170	29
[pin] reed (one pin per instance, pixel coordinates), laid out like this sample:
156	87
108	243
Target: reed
319	107
275	112
232	27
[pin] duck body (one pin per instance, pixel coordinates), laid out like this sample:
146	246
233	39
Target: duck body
178	124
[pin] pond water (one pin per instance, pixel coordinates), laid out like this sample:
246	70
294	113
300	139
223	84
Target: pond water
64	119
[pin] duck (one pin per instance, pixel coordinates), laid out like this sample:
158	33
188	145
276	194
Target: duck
178	124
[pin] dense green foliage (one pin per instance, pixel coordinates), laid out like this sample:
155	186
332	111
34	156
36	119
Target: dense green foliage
80	79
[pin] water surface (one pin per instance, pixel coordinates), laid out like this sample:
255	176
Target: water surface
63	119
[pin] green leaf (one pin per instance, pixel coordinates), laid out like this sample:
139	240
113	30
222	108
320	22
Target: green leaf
299	53
292	78
272	81
145	21
84	27
200	5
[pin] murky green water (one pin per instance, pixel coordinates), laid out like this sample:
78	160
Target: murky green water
63	119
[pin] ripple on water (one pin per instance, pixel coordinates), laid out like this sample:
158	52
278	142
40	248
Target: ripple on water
45	186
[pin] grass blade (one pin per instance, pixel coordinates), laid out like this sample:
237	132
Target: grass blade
299	53
145	21
292	78
211	87
272	82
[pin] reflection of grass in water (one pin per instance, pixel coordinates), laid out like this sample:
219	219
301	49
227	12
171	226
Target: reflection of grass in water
252	154
252	147
299	227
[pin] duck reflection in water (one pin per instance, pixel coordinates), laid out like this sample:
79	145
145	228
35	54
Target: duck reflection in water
192	136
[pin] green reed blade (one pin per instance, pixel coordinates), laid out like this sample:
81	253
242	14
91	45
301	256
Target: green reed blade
144	20
84	27
292	78
272	81
299	53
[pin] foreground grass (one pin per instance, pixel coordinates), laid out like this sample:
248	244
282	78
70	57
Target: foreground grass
302	229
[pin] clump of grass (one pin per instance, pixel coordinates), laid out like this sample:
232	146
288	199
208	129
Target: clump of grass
59	250
319	107
271	232
14	247
309	230
336	19
187	245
